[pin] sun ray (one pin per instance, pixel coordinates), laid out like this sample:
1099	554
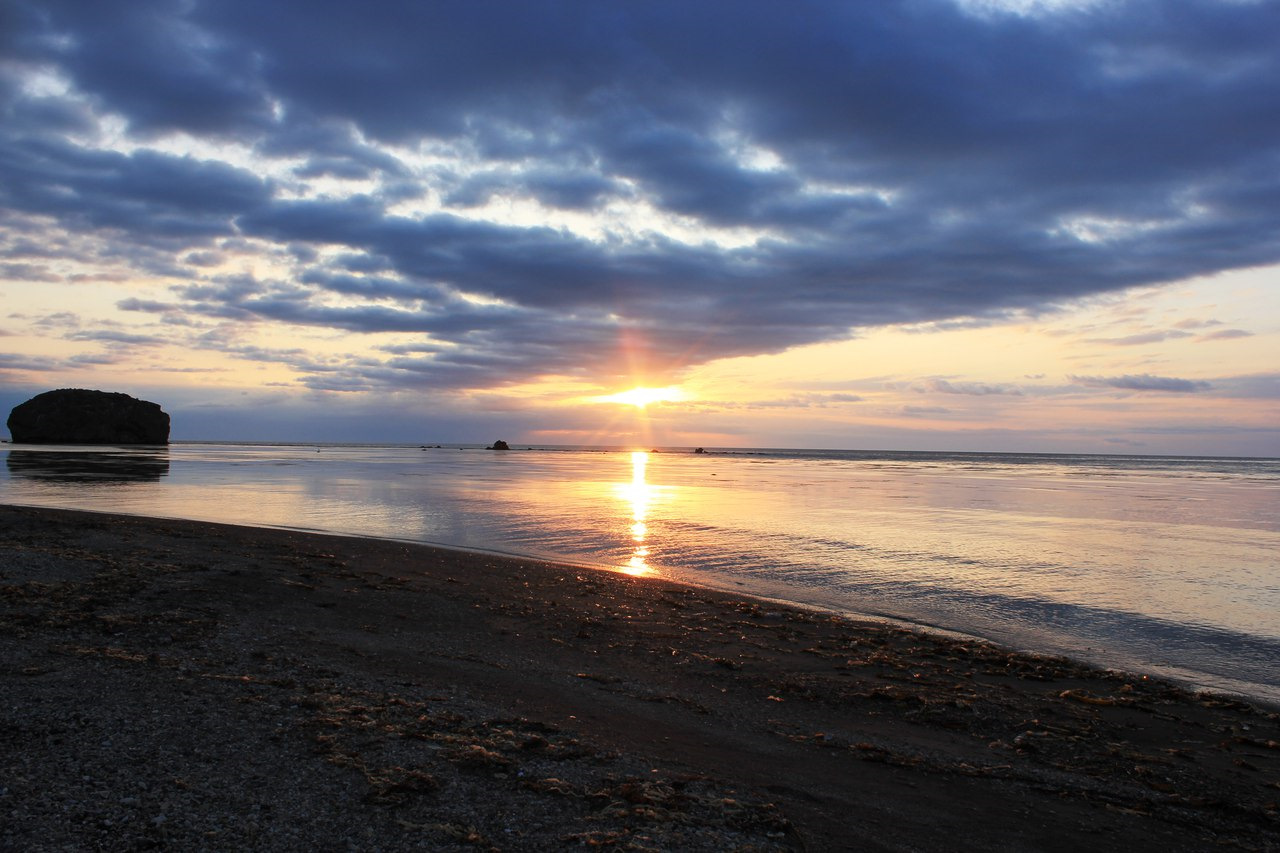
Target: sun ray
641	396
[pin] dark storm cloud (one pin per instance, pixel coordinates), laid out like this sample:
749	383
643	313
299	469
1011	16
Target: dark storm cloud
332	149
203	259
373	287
563	189
895	162
148	62
148	194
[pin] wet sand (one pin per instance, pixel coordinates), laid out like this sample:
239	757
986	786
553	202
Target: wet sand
196	686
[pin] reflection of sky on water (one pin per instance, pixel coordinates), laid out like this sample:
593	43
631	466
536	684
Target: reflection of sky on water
1166	567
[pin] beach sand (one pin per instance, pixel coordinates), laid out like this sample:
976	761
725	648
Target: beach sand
183	685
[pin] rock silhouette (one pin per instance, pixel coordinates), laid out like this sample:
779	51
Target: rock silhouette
78	416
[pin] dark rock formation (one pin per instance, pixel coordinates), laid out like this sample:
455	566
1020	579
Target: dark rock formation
76	416
499	445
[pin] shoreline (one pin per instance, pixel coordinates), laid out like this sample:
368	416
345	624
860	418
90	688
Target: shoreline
1193	680
202	685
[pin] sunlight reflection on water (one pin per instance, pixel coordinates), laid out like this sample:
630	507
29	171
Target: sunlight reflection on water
1133	563
638	493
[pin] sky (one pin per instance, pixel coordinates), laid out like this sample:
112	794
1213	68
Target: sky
909	224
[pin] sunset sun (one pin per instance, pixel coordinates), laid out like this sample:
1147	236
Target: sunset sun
641	397
595	410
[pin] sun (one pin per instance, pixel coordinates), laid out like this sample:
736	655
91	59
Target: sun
641	397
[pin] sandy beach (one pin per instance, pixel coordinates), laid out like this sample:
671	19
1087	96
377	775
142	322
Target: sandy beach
180	685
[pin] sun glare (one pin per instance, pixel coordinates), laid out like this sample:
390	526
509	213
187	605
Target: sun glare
641	397
639	494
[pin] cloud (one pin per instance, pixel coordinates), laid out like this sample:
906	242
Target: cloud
972	389
576	188
1124	442
1142	382
203	259
1142	338
924	411
112	336
63	319
567	189
17	361
1193	323
95	359
1225	335
28	272
1260	386
806	401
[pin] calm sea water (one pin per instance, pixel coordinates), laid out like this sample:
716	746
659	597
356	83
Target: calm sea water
1168	565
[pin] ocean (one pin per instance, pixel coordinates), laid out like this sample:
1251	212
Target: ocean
1152	564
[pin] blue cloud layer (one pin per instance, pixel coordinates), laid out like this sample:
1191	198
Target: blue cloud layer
889	162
